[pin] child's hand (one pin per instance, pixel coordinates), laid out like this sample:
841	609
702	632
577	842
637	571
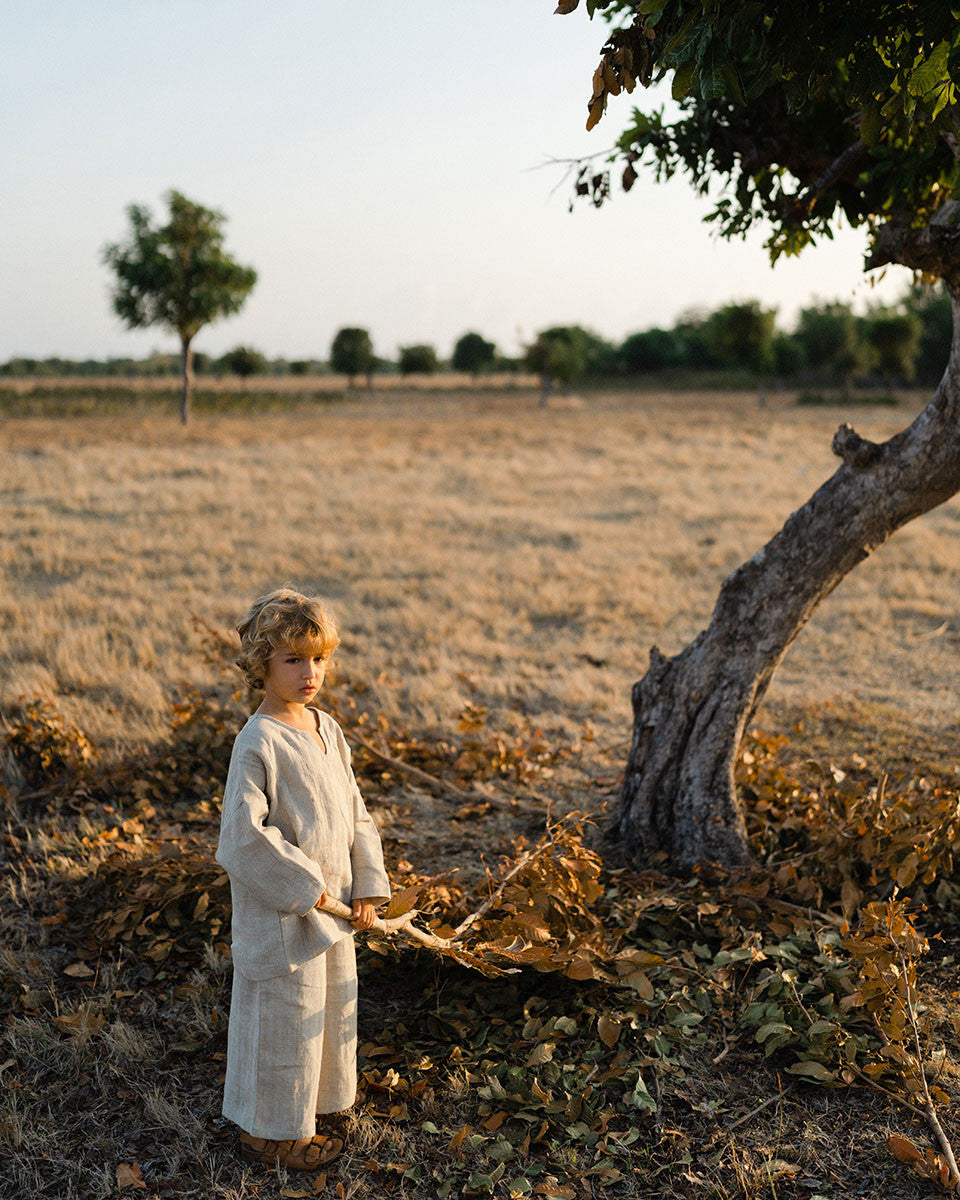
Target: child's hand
363	914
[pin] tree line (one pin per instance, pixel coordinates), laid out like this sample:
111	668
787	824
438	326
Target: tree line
829	344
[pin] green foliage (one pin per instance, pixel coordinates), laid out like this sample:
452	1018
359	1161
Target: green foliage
351	353
176	275
830	339
652	349
473	353
853	102
741	335
420	359
566	352
788	356
894	337
242	361
931	304
691	329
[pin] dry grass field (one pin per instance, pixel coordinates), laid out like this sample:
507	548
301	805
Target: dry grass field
474	548
477	550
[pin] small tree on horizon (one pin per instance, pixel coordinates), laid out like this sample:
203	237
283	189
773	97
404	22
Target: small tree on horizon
559	354
351	354
473	353
418	360
177	276
243	361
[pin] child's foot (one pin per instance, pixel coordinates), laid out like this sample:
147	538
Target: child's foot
301	1155
331	1146
332	1133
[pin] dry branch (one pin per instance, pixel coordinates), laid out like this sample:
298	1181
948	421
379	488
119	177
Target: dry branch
433	781
390	925
931	1110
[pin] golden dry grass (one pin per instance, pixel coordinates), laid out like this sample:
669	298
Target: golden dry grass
473	547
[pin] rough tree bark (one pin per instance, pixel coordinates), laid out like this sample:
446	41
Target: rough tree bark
690	711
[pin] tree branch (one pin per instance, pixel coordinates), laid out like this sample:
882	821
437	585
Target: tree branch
935	249
433	781
801	205
931	1110
853	449
402	925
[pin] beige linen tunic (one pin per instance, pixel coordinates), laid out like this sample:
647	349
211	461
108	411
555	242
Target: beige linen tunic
293	826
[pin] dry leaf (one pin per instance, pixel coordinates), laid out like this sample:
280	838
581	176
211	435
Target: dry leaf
80	1022
904	1149
609	1029
128	1175
78	970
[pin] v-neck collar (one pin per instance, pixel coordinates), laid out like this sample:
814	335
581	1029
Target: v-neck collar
296	729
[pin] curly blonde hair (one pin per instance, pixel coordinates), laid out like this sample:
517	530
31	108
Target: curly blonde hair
283	619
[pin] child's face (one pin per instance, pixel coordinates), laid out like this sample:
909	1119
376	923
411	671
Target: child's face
292	677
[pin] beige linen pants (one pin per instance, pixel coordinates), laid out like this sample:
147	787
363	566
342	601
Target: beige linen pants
292	1046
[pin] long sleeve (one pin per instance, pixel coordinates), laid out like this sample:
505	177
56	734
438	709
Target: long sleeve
257	855
370	879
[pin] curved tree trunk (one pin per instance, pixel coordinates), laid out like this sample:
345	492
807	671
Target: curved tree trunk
690	711
187	373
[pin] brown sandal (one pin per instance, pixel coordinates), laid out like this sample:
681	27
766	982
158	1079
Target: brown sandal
274	1153
331	1146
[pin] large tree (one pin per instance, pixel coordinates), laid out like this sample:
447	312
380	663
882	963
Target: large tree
806	113
177	276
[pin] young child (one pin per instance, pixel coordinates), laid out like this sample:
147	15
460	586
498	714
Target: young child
294	830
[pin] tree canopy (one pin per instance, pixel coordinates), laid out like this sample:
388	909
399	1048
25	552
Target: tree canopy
802	112
177	275
351	352
420	359
242	361
473	353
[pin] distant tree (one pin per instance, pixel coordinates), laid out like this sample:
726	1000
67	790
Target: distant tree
299	366
690	331
351	354
418	360
788	356
243	361
651	350
894	336
558	355
932	305
603	357
831	340
473	353
741	335
177	276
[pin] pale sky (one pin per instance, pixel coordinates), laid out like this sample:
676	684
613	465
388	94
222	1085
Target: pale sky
380	164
